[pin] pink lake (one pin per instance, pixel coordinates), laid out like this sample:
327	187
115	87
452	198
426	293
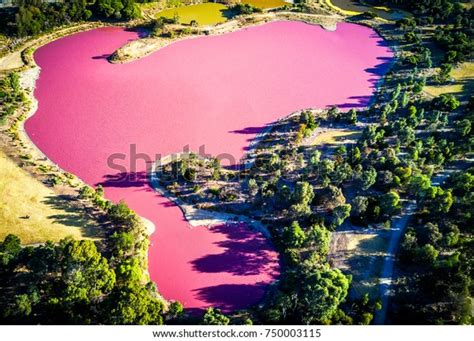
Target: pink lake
216	92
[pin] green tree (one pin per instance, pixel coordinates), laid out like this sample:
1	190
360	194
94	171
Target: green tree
427	254
359	206
85	274
438	199
353	116
253	187
418	184
319	237
214	316
175	310
129	270
406	135
307	118
321	292
367	178
23	305
293	235
10	248
122	243
464	127
133	304
396	91
431	234
302	197
446	102
390	202
121	215
340	213
355	155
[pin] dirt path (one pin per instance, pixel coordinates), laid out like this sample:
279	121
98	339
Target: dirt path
11	61
399	226
16	59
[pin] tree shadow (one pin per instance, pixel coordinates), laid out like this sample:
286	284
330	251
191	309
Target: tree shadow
246	253
366	264
103	56
73	216
231	297
248	130
127	180
376	75
140	31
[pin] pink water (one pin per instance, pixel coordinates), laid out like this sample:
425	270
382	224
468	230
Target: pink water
212	91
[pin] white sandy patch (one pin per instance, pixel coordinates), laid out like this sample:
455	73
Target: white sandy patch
149	226
199	217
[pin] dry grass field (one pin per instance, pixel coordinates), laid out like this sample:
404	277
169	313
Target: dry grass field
361	254
34	212
463	77
334	136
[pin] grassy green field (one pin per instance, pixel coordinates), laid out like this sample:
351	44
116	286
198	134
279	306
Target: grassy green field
204	14
463	77
34	212
266	3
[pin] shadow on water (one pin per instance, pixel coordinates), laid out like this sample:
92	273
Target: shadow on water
140	31
376	75
136	180
127	180
245	253
248	130
230	297
103	56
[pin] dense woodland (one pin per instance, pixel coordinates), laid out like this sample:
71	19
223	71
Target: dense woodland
409	140
82	282
34	16
437	253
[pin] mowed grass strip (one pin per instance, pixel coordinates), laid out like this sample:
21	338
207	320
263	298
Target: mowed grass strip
463	77
266	3
34	212
203	14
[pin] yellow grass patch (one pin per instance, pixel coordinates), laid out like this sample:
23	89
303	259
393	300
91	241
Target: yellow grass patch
368	243
383	8
34	212
334	136
364	258
352	8
266	3
343	11
464	80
